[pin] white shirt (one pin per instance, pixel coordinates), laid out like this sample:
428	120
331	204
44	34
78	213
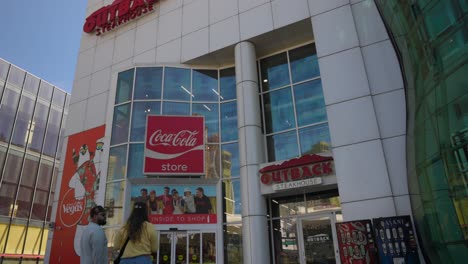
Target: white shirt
93	245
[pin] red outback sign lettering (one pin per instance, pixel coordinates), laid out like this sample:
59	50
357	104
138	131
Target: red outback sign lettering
296	169
119	12
174	145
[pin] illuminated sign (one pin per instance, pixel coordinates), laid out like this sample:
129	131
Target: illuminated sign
119	12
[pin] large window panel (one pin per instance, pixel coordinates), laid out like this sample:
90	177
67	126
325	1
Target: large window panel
275	72
233	243
310	104
285	241
229	121
173	108
16	76
58	98
227	84
10	182
124	86
232	205
230	160
31	84
279	112
4	66
135	161
23	121
114	202
212	156
282	146
205	85
120	124
177	84
26	190
36	136
148	83
210	112
61	137
42	190
45	91
7	113
139	113
52	134
315	139
304	63
3	151
117	163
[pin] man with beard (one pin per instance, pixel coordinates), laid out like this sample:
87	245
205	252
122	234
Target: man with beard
93	242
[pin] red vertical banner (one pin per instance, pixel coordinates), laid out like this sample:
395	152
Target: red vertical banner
78	193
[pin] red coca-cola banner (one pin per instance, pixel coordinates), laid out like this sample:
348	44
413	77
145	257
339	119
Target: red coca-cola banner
174	145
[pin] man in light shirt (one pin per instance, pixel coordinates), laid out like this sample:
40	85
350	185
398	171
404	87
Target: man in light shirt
93	240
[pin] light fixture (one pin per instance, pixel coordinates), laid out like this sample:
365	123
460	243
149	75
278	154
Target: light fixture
216	92
265	80
207	108
187	91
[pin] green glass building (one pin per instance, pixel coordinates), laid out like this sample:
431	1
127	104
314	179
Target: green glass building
431	39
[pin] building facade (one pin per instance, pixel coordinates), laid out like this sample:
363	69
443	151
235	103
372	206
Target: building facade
32	114
304	109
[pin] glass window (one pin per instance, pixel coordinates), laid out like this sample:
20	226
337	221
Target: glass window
7	113
227	84
285	241
229	121
315	139
210	112
205	85
209	248
36	136
304	63
23	121
282	146
124	86
288	206
148	83
439	17
42	190
316	203
16	76
140	111
117	163
172	108
10	182
232	205
31	84
274	72
58	98
61	137
230	160
45	91
310	104
3	151
26	190
51	195
135	161
177	84
233	244
212	166
4	69
279	113
114	202
120	124
52	134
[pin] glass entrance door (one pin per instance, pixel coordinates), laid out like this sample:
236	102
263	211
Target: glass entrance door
186	247
317	239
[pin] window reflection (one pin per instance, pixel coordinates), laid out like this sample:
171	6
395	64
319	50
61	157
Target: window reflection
140	111
315	139
124	86
114	202
26	188
233	243
275	73
45	91
229	121
52	134
282	146
23	121
285	240
36	136
205	85
31	84
279	113
16	76
58	98
135	161
177	84
7	113
212	156
230	160
120	124
42	190
148	83
304	63
117	163
11	175
210	112
232	205
310	104
172	108
227	84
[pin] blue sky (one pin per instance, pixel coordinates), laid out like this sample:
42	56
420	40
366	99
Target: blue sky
43	37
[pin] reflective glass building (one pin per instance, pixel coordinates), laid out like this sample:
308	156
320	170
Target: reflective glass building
32	116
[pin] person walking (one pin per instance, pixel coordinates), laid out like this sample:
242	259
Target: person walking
93	242
141	236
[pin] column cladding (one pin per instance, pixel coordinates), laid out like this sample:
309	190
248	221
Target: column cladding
251	153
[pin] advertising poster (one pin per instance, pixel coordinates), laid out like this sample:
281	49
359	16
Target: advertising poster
356	242
178	204
395	240
174	145
79	192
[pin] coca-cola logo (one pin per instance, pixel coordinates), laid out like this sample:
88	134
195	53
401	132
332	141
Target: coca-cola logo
71	210
184	138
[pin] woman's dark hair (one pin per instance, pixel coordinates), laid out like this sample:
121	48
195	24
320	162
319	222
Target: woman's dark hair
135	222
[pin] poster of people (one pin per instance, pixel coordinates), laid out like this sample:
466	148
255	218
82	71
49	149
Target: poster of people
356	242
177	204
395	240
79	192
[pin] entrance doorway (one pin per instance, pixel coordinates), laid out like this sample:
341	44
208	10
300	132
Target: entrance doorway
187	247
317	239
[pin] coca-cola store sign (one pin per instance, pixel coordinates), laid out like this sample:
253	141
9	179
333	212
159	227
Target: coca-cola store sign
174	145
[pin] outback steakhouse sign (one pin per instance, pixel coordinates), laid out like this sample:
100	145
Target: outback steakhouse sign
174	145
116	14
298	172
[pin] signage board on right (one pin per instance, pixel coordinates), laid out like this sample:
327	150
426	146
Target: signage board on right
396	241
